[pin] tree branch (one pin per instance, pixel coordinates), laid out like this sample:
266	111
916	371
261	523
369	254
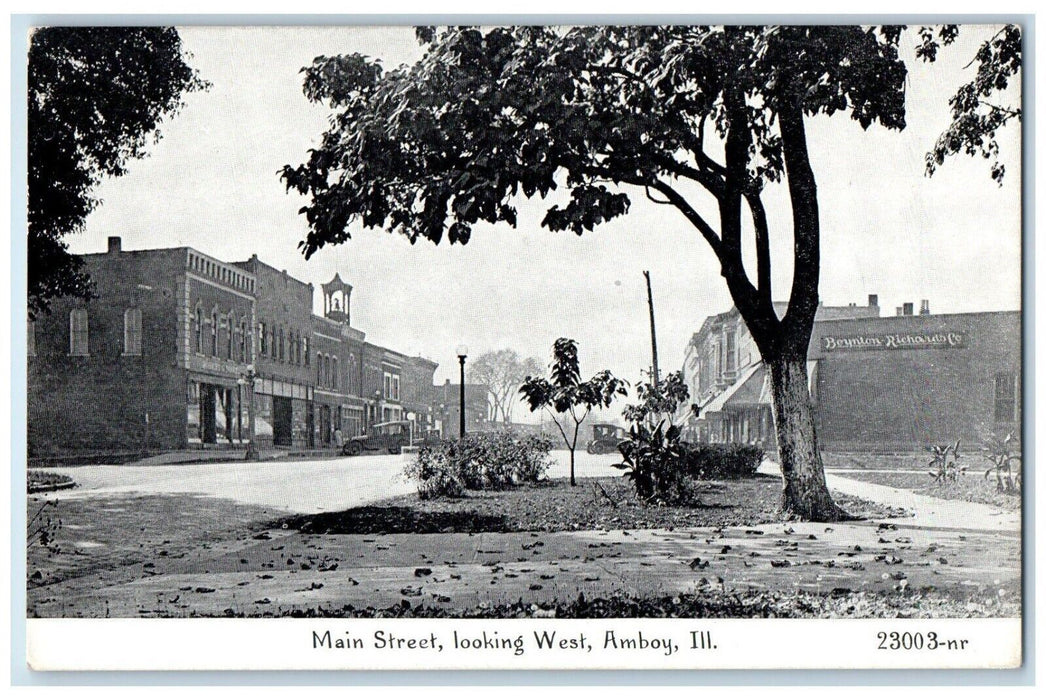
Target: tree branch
690	213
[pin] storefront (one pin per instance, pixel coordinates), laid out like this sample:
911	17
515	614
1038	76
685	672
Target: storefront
282	413
216	411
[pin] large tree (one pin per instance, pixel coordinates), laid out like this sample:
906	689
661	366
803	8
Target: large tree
96	98
502	372
697	118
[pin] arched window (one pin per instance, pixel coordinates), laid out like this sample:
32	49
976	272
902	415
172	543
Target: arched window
326	370
132	332
78	332
334	372
197	329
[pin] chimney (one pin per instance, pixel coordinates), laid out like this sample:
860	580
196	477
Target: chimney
924	308
114	244
873	300
909	308
900	311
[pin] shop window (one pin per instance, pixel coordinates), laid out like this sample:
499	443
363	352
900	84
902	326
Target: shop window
78	332
1005	397
30	338
132	332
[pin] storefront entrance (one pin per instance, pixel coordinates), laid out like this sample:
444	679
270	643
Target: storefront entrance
282	421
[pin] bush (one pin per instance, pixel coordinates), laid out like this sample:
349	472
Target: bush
665	469
480	461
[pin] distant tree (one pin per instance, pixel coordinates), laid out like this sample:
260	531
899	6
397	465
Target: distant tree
565	395
502	371
96	98
697	118
658	402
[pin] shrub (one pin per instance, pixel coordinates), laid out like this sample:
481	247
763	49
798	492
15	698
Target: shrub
664	468
944	465
1004	455
480	461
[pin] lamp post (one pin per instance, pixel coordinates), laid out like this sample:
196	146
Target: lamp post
247	380
463	352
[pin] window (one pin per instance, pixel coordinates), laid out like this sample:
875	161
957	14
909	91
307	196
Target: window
731	352
334	372
1005	397
243	339
388	386
395	387
30	339
229	340
262	339
78	332
305	350
279	345
319	369
214	332
198	329
132	332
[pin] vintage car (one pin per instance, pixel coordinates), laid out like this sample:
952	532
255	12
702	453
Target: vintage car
605	438
390	438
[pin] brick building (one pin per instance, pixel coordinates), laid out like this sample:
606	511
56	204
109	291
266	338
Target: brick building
448	405
157	360
877	382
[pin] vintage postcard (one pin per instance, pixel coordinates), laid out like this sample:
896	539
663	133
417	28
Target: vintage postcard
524	347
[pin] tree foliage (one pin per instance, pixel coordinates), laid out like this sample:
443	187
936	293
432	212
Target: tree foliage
658	402
564	395
96	98
502	372
976	115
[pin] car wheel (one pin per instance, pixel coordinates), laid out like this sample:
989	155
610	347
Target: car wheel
394	449
352	449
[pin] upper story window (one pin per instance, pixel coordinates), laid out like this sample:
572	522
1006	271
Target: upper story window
731	351
198	329
305	350
30	338
78	332
1005	397
214	332
243	339
319	369
132	332
262	339
230	340
334	372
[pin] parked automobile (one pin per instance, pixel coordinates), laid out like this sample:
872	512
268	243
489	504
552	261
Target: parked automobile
605	438
389	438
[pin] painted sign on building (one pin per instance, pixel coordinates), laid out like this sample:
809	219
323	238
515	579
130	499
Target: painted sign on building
930	340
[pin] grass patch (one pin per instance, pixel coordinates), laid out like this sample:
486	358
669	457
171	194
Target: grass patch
553	505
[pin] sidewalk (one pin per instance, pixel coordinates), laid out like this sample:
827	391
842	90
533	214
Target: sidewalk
927	511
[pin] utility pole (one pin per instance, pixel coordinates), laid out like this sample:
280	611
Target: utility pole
653	333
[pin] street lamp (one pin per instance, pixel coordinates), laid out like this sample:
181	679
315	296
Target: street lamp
463	352
247	380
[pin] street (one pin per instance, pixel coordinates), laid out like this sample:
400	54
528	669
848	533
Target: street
307	486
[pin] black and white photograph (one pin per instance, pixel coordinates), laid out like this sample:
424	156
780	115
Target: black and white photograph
525	346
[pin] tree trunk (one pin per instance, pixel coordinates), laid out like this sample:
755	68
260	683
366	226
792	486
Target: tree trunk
573	481
805	491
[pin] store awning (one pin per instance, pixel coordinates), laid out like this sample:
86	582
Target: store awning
717	404
752	389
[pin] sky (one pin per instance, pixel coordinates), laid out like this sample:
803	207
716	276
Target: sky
211	182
